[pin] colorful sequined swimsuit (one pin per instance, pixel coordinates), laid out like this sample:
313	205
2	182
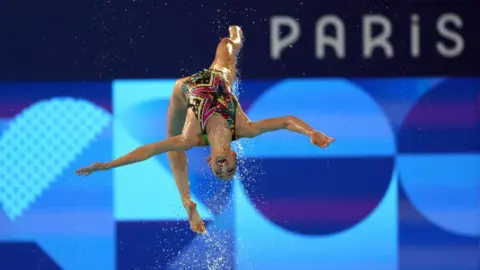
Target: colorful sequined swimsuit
208	93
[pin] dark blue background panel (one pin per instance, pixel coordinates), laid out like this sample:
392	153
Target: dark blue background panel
23	256
91	40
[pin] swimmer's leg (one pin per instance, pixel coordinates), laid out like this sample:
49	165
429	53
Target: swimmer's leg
176	115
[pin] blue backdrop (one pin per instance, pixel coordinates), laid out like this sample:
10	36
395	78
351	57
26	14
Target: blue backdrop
398	189
86	81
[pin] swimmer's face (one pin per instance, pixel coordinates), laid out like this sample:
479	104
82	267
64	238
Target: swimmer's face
223	166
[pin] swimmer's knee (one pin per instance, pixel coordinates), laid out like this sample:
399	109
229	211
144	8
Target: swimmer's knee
179	83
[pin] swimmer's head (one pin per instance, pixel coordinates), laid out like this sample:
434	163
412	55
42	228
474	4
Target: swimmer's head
224	166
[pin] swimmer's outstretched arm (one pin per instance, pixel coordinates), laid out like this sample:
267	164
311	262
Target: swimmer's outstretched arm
177	143
249	129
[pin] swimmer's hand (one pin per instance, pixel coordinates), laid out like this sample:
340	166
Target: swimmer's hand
99	166
320	139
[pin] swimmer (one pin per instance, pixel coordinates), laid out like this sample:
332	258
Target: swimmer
203	111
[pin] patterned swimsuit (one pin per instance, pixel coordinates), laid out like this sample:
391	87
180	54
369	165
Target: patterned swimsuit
208	93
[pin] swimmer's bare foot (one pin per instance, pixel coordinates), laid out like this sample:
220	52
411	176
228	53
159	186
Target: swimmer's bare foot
196	223
320	139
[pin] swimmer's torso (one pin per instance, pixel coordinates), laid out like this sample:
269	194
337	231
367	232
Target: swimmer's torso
209	92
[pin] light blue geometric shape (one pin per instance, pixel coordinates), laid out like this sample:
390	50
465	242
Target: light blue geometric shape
130	93
39	144
335	106
370	245
80	252
445	189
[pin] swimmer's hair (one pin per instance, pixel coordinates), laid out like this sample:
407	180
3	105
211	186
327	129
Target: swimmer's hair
226	179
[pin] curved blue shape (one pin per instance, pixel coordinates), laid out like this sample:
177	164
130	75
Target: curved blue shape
370	245
299	176
147	121
335	106
423	245
54	133
448	113
445	189
320	196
